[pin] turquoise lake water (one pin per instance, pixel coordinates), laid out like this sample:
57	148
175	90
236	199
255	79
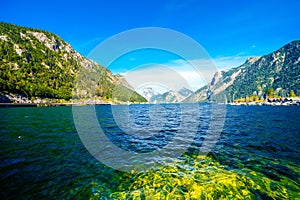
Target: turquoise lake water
257	155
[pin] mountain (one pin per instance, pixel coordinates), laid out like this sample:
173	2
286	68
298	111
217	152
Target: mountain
279	70
39	64
184	92
172	96
36	64
149	92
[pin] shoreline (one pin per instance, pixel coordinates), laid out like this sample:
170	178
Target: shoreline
48	104
10	105
5	105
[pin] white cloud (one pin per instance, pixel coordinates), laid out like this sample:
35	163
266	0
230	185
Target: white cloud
174	75
197	72
156	75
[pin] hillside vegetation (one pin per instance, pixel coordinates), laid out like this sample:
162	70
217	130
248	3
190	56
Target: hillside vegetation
39	64
278	71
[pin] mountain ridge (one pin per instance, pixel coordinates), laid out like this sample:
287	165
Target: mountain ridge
39	64
170	96
279	70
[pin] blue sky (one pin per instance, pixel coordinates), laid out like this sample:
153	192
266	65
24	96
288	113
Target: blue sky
230	31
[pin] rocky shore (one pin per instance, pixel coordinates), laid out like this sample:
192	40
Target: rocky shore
18	100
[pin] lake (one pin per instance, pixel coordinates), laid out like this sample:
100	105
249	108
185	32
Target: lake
256	155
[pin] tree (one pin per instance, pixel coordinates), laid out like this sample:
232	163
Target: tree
292	94
270	92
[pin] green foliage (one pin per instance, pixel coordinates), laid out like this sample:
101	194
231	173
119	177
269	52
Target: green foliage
35	71
270	92
48	68
292	94
98	84
278	70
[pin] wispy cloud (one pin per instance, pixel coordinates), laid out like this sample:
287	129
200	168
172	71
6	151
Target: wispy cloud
223	63
175	74
163	76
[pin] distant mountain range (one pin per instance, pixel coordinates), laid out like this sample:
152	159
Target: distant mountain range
38	64
168	97
279	70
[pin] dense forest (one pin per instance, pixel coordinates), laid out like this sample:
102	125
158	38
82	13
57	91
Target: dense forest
278	71
39	64
274	75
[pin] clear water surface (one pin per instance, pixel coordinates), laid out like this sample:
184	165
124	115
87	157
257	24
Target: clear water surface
256	157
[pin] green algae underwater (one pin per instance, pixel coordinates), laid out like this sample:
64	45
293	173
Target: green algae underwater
197	177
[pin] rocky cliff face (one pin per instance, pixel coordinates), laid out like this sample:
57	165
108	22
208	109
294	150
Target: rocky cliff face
279	70
36	63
